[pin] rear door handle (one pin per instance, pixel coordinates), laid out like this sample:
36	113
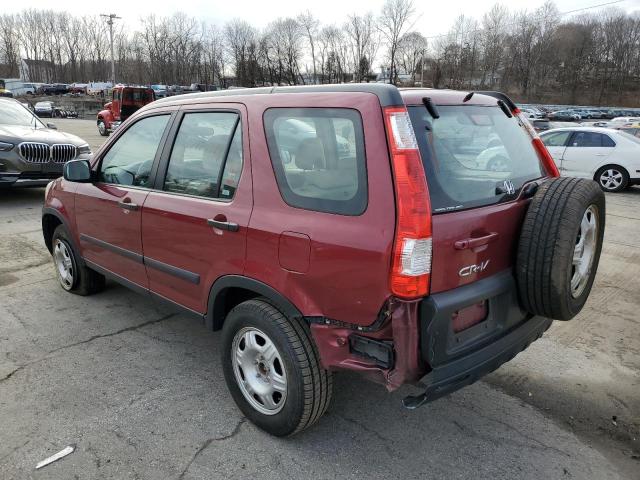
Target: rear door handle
127	205
475	242
228	226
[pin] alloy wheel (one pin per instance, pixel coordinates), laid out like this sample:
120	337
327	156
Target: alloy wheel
259	370
611	179
584	251
63	259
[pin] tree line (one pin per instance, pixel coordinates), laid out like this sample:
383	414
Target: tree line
539	55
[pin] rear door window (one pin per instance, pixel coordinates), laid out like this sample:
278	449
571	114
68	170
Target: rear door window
589	140
472	153
318	158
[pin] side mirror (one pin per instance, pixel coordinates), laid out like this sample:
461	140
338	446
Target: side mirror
52	126
77	171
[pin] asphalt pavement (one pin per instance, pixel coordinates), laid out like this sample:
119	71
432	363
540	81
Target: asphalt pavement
140	393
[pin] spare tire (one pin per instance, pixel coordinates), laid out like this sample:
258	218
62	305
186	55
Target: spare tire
560	246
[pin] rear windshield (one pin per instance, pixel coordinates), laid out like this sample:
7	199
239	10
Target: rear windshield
473	155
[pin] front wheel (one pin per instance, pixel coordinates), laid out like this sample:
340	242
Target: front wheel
72	275
612	178
273	370
102	128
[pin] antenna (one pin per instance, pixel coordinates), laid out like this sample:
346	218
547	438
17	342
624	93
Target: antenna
110	18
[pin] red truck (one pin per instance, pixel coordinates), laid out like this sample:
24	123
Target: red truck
334	227
125	102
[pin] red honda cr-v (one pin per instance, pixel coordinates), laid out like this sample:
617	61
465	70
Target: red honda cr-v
416	236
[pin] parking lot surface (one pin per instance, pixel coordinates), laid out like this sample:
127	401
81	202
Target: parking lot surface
140	392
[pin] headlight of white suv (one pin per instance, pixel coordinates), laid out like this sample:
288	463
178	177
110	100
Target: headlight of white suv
82	149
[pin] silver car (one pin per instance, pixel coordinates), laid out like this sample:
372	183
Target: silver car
32	153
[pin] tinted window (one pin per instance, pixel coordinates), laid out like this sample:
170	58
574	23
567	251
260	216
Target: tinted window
199	153
130	158
590	139
318	157
607	142
558	139
470	152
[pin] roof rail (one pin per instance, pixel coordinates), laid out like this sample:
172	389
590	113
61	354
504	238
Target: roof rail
386	93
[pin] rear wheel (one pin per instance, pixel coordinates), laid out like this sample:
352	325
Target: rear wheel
560	247
72	275
272	369
612	178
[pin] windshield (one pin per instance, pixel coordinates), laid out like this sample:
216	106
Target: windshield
12	113
471	153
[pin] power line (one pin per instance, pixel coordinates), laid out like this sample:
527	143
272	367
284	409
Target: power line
562	14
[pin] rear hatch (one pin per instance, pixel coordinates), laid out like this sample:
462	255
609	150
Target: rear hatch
477	159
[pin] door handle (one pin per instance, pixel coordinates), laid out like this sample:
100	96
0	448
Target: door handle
601	154
223	225
127	205
475	242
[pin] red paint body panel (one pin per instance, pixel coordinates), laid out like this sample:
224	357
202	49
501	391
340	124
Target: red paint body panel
175	232
504	219
348	272
99	216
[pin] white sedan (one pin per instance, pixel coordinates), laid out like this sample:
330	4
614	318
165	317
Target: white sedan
610	157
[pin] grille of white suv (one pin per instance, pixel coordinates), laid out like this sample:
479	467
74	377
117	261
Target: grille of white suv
42	153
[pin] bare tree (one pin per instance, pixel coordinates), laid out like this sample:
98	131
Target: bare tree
392	24
362	33
309	24
411	52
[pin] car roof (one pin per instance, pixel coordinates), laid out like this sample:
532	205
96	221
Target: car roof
388	95
582	128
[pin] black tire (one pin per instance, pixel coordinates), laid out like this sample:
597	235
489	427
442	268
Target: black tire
102	129
550	234
84	281
609	170
308	386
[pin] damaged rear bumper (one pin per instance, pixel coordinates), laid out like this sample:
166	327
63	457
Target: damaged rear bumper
451	376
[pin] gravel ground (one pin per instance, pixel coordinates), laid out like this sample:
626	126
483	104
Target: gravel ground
140	391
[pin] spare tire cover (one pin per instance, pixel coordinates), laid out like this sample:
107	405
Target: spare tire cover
560	246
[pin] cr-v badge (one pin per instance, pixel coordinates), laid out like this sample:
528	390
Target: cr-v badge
476	268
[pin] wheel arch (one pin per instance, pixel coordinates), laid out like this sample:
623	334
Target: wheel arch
231	290
51	219
609	165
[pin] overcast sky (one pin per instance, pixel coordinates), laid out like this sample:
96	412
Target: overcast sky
432	17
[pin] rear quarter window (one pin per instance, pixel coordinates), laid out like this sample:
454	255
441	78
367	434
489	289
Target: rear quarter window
318	158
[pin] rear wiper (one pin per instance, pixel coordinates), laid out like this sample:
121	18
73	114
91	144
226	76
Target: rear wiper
505	109
431	108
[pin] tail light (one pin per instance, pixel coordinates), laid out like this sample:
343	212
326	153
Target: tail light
411	265
543	154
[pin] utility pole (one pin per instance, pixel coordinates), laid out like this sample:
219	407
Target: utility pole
110	18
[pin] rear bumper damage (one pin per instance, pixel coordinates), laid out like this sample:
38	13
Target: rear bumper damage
416	342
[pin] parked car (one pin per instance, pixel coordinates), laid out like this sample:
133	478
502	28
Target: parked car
392	257
32	153
540	125
563	115
78	88
125	102
610	157
159	91
44	109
